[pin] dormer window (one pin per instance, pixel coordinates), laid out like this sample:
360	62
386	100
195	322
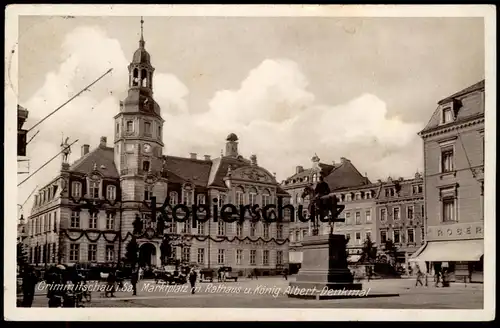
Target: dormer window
76	190
447	115
111	193
94	189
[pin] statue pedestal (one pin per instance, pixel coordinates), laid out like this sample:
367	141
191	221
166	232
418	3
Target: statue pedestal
324	272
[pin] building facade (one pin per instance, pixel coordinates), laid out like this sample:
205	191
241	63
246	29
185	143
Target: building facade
400	215
98	204
340	177
453	184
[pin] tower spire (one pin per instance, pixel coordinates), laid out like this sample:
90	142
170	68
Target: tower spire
141	41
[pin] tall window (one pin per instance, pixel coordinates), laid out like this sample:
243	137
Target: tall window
383	236
201	256
358	217
94	189
173	198
397	236
201	228
409	212
411	236
111	193
159	131
148	192
110	253
74	252
93	220
447	159
188	196
422	210
147	128
110	221
266	230
239	256
449	209
239	229
145	166
92	256
265	257
186	254
240	196
422	234
279	231
358	237
252	196
201	199
117	128
266	198
395	212
348	218
75	219
368	215
279	257
221	256
130	126
297	236
222	199
253	257
221	228
447	115
76	189
253	229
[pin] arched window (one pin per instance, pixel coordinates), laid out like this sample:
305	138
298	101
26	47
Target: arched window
266	197
135	77
240	196
252	196
314	177
111	193
76	189
173	198
188	195
144	78
94	189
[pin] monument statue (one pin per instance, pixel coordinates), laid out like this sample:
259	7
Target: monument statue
138	226
66	150
321	205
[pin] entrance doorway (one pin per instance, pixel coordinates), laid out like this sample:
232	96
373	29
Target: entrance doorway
147	255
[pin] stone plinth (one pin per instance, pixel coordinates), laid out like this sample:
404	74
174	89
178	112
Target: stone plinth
324	267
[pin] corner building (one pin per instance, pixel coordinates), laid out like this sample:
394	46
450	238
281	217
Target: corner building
92	209
453	184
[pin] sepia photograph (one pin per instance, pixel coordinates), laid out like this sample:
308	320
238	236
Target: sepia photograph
275	160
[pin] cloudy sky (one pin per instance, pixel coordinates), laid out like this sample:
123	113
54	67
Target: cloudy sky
359	88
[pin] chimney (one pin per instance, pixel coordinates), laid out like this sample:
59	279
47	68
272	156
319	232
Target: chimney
343	160
299	169
253	159
333	163
193	155
207	157
103	142
85	149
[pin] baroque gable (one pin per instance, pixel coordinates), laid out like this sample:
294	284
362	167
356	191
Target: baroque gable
253	174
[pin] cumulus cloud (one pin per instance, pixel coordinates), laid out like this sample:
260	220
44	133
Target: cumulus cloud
272	111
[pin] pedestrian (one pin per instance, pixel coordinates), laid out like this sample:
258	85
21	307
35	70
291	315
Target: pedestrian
437	274
56	283
110	288
30	280
419	276
369	272
134	280
192	279
285	274
141	273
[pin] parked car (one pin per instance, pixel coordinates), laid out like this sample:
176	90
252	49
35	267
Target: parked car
207	274
230	274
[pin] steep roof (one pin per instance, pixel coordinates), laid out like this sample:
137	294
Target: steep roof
345	176
102	157
195	171
220	167
467	104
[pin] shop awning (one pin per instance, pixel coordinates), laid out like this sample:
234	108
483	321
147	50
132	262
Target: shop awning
453	250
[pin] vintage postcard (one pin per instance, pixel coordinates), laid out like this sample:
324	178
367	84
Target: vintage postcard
250	162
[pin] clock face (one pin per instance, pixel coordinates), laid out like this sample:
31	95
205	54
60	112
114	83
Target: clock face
147	148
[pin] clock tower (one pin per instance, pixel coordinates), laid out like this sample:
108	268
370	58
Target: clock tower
138	153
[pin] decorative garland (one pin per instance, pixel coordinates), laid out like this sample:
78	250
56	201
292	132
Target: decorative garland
188	238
